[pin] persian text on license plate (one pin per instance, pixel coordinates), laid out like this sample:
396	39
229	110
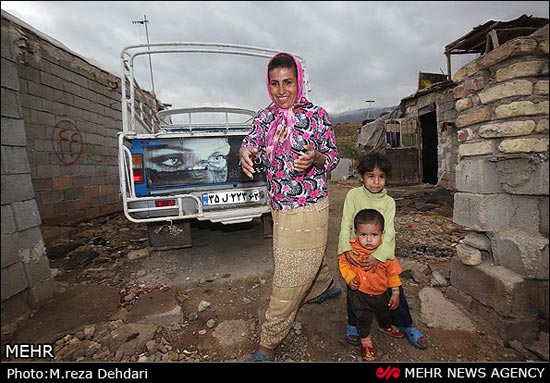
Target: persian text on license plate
225	198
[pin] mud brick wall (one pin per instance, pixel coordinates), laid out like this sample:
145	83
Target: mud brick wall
501	271
27	281
71	111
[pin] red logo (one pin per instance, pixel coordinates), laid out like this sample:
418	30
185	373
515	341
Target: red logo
389	372
67	142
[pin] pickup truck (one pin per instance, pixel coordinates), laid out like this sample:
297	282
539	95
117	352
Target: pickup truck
182	164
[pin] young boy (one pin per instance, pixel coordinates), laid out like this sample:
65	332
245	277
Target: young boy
368	291
374	169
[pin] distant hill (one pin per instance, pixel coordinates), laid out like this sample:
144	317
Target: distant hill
358	115
346	138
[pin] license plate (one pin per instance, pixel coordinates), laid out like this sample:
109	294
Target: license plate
226	198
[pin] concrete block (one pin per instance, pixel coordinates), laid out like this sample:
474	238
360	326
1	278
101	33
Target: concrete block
55	108
13	244
10	106
526	254
544	209
8	73
42	118
41	293
13	280
14	160
29	73
16	188
494	286
524	328
539	296
458	296
496	212
31	102
8	221
9	254
15	307
13	132
51	81
39	270
527	175
7	45
39	90
477	175
26	214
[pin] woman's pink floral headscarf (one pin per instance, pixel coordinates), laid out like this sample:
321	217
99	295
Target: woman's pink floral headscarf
281	129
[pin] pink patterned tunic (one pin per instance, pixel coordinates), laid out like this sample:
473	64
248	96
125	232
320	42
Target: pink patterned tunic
288	189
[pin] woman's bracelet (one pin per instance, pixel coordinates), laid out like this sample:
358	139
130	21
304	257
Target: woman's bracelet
395	290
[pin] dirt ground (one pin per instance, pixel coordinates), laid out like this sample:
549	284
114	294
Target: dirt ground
119	300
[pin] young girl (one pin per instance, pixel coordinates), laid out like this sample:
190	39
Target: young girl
374	169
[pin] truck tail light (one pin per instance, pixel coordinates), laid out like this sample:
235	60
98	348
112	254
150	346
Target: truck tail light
167	202
137	168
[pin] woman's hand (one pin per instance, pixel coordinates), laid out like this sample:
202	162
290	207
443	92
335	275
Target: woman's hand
308	158
246	156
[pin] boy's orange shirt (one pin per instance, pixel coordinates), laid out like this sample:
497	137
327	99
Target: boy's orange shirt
386	275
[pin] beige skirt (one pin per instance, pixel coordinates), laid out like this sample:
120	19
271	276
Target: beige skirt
299	243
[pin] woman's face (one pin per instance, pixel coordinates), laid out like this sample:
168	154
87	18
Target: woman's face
283	87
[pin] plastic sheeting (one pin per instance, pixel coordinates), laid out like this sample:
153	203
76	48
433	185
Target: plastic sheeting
372	136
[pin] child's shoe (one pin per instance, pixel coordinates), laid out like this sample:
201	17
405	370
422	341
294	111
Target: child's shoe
367	354
393	331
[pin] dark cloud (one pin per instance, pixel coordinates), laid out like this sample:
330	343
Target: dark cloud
355	51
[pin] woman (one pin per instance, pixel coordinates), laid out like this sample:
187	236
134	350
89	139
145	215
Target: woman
295	140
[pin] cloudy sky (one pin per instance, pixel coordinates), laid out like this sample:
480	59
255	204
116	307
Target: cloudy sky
354	51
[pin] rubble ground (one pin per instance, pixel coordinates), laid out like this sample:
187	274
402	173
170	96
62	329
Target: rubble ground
119	300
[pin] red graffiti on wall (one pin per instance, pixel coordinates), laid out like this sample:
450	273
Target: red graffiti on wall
67	142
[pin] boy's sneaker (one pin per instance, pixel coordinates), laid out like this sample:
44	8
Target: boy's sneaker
367	354
393	331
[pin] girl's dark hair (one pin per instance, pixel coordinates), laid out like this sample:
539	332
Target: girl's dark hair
368	216
282	60
372	160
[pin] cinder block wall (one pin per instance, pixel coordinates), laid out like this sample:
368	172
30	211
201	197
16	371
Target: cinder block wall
501	271
72	114
60	119
27	281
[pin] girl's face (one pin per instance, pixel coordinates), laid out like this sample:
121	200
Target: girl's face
283	87
370	235
375	180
